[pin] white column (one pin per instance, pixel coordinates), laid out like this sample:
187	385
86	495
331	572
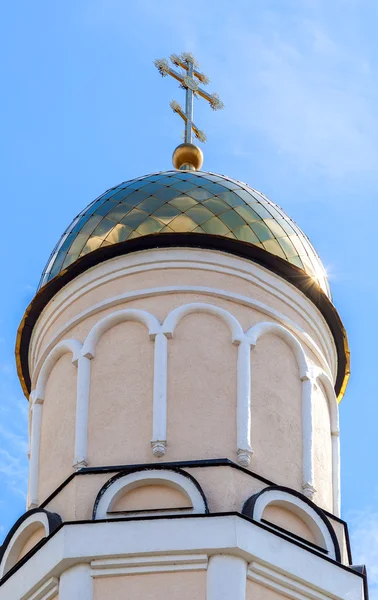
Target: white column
34	452
336	472
76	583
308	442
159	418
243	409
226	578
82	407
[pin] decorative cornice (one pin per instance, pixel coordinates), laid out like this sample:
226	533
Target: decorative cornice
281	267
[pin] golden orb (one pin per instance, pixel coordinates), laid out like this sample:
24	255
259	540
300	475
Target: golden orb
187	157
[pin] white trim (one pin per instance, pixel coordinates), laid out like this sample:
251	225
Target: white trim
132	565
308	477
300	508
226	578
76	583
212	292
35	443
229	534
189	258
20	537
137	479
282	584
323	379
115	318
63	347
37	397
243	405
46	591
263	328
159	410
82	412
182	311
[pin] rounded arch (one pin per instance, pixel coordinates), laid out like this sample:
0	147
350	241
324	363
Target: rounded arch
300	506
178	313
22	530
115	318
322	377
52	358
122	483
265	327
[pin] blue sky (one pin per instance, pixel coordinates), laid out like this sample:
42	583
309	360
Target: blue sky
84	108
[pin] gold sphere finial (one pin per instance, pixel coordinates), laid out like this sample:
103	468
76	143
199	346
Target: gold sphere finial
187	157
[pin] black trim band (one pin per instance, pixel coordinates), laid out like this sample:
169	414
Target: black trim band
110	482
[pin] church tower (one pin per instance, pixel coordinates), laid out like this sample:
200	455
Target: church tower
183	363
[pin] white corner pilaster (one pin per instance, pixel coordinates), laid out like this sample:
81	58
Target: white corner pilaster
82	407
226	578
243	410
35	443
76	583
159	419
308	487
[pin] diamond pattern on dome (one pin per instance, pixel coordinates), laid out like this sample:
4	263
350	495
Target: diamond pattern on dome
184	202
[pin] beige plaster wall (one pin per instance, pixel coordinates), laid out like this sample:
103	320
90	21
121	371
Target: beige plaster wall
201	380
120	414
201	389
226	490
289	521
276	412
34	538
255	591
149	497
58	427
165	273
322	450
185	585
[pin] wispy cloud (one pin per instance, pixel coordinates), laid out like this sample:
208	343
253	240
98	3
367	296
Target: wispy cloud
291	73
364	540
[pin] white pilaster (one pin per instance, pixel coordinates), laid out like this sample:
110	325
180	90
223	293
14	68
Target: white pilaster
34	451
243	410
159	424
226	578
76	583
82	407
336	472
308	487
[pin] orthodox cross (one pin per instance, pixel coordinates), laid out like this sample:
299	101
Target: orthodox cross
189	78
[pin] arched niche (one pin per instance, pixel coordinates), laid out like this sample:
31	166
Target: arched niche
57	437
202	381
276	409
121	392
149	492
30	529
292	514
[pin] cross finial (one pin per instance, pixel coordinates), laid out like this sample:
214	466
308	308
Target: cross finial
189	78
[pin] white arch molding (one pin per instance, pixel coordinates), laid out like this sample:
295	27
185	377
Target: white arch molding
127	483
322	378
88	352
294	504
31	524
37	397
253	335
82	355
243	398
